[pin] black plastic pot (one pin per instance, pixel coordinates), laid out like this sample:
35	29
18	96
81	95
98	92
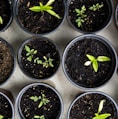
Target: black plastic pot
7	61
52	109
74	58
6	107
86	105
6	14
44	48
25	24
93	21
116	15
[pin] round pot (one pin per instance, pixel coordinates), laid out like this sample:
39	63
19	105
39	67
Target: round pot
6	14
6	106
75	57
7	60
86	106
116	15
43	62
38	23
27	108
88	20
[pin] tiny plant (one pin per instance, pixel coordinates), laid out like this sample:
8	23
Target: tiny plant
96	7
1	20
80	13
45	8
1	116
101	116
39	117
94	61
30	53
42	98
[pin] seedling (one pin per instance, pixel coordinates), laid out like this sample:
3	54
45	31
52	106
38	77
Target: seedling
80	13
30	53
94	61
96	7
1	116
39	117
45	8
1	20
42	98
101	116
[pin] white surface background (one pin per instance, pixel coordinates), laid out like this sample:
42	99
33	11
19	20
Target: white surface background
15	36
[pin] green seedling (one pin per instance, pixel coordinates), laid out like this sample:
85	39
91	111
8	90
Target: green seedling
101	116
1	20
45	8
96	7
1	116
80	13
43	100
30	53
39	117
94	61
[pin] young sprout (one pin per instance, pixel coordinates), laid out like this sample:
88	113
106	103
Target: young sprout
45	8
94	61
96	7
1	20
39	117
80	13
101	116
1	116
30	53
42	98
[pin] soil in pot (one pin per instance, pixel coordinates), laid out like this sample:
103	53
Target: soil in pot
5	108
6	61
39	67
85	76
40	101
86	107
5	13
39	22
90	20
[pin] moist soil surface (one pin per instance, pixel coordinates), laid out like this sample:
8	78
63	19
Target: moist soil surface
5	13
95	20
29	108
86	107
6	62
85	76
39	22
44	48
5	108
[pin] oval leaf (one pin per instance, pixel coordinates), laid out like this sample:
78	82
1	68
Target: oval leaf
103	58
101	106
102	116
95	65
35	9
90	57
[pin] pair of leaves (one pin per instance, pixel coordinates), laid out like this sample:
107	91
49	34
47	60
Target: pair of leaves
94	61
47	8
96	7
39	117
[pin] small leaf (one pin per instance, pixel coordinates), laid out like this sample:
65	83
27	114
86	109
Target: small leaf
28	54
27	48
103	58
49	2
101	106
1	20
95	65
87	63
102	116
35	52
39	62
35	9
29	58
40	104
39	117
90	57
34	98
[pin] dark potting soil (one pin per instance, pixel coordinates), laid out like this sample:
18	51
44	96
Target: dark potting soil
44	48
5	13
85	75
6	62
95	20
86	107
30	108
5	108
39	22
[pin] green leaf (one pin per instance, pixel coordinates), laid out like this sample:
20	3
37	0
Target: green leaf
1	20
34	98
36	9
40	104
95	65
39	117
29	58
1	116
28	54
90	57
49	2
35	52
103	58
101	106
53	14
39	62
102	116
27	48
